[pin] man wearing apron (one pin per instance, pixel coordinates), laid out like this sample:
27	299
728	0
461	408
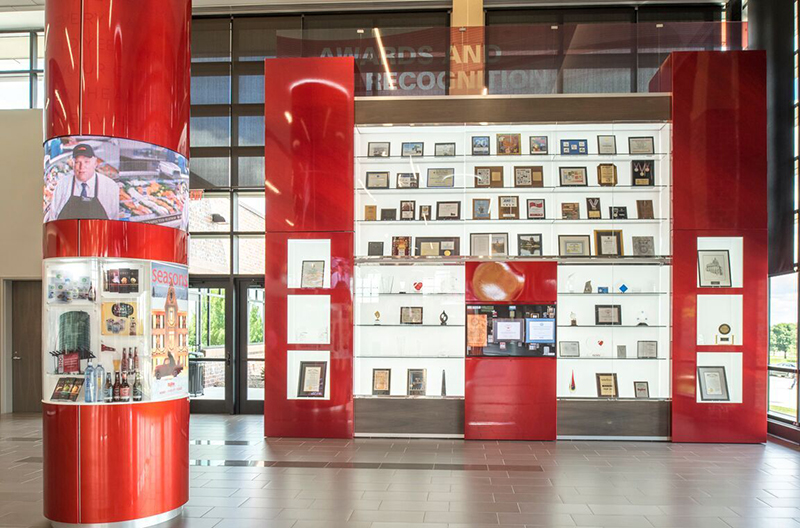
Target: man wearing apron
86	194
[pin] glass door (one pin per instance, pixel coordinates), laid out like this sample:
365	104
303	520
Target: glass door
210	345
250	357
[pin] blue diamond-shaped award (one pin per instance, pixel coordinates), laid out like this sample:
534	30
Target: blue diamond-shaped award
623	288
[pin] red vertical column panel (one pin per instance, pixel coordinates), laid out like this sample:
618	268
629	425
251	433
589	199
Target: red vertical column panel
309	126
510	398
61	475
62	55
719	190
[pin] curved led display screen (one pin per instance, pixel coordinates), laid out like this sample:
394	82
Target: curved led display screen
97	177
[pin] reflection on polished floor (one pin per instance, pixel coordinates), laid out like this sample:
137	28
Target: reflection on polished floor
240	480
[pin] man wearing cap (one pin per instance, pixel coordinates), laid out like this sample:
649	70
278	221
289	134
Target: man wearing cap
86	194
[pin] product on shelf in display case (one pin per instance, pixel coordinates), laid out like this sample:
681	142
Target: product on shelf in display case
574	246
572	177
444	149
607	175
120	318
488	244
67	389
643	173
607	385
379	149
530	245
713	383
121	280
608	243
714	268
441	178
606	144
641	145
381	381
536	209
529	176
641	389
70	284
489	177
511	330
412	149
312	379
509	144
538	145
480	146
417	382
572	147
437	246
647	349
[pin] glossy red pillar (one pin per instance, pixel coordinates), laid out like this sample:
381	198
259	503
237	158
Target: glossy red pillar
117	69
719	190
511	398
309	121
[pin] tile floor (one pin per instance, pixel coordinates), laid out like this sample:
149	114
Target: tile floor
240	480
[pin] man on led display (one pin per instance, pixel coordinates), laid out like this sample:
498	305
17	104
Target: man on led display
86	194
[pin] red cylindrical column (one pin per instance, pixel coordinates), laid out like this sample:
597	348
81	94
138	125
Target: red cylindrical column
115	249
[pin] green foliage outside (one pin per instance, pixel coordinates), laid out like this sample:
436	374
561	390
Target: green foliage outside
256	325
212	320
783	343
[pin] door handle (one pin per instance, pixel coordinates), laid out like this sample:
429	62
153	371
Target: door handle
16	357
227	359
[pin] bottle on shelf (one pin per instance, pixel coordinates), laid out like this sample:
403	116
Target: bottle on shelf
136	360
138	393
124	389
117	388
90	383
124	367
108	390
133	326
100	378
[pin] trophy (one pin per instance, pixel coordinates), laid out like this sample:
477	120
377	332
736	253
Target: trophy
377	317
587	288
573	319
641	319
724	336
443	318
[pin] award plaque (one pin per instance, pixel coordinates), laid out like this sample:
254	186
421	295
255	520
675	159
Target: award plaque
489	177
481	209
480	145
425	213
593	209
569	349
444	149
536	209
607	314
647	349
571	211
724	336
312	379
574	246
370	213
508	144
408	180
641	389
622	351
508	207
412	149
377	180
381	382
608	243
488	244
448	210
641	145
713	384
607	174
408	209
401	246
529	245
388	215
607	385
572	147
643	173
616	212
313	274
644	209
573	176
643	246
417	382
529	176
607	145
411	315
378	149
374	249
441	178
437	246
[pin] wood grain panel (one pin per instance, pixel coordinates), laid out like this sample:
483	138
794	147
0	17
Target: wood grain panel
409	416
613	418
454	110
26	344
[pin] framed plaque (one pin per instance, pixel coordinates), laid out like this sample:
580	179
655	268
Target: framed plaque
408	209
481	209
411	315
641	145
374	249
593	209
425	212
641	389
536	209
488	244
441	178
448	210
618	212
607	145
644	209
608	243
444	149
480	145
714	268
370	213
401	246
508	207
412	149
607	314
607	175
622	351
377	180
530	245
643	173
607	385
540	330
572	147
529	176
408	180
713	384
313	274
572	176
508	144
644	246
571	211
381	381
569	349
477	330
378	149
574	246
312	379
417	382
489	177
388	215
437	246
538	145
647	349
507	330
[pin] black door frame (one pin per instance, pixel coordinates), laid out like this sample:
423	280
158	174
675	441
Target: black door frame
243	405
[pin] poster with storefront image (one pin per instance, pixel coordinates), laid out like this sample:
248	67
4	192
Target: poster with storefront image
169	331
103	178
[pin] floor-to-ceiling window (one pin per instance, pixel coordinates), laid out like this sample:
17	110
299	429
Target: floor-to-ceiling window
21	69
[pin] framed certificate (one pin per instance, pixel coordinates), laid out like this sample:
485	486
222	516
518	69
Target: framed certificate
481	209
437	246
312	379
538	145
572	176
411	315
530	245
441	178
607	385
477	330
608	243
607	145
407	180
488	244
508	144
714	268
536	209
713	384
529	176
448	210
647	349
569	349
507	330
377	180
313	274
607	175
641	389
574	246
412	149
381	381
641	145
572	147
417	382
408	209
378	149
444	149
607	314
643	172
593	209
480	145
539	330
489	177
508	207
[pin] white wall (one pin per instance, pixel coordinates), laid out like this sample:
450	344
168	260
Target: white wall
20	219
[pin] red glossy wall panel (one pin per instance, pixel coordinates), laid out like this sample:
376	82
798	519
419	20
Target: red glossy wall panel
133	460
135	61
719	168
309	418
510	399
107	238
61	473
510	282
309	122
